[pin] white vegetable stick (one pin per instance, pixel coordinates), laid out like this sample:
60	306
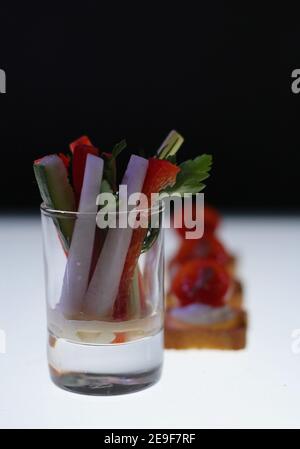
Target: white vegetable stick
104	285
80	255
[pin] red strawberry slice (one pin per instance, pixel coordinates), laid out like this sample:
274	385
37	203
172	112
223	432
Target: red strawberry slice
84	140
80	152
160	174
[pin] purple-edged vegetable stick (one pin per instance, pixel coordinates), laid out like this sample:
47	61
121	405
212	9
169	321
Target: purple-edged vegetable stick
80	255
103	288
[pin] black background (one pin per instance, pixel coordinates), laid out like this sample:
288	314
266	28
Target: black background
219	75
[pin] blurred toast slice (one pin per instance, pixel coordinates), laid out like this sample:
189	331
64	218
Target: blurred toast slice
227	335
231	265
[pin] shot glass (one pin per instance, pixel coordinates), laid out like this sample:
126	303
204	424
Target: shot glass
105	302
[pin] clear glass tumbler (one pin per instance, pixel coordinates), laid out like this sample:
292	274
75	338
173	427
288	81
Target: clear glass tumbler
105	303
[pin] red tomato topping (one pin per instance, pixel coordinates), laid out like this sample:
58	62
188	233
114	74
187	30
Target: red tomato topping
202	281
208	247
211	221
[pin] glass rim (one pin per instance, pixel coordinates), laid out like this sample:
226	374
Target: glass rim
49	211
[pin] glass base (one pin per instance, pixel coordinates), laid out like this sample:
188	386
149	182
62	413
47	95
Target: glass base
104	385
105	369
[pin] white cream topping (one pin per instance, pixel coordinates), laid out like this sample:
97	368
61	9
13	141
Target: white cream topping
202	314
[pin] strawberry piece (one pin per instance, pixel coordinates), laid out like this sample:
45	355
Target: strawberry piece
208	247
80	153
160	174
84	140
201	281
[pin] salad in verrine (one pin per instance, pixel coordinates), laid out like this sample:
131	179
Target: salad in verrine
103	281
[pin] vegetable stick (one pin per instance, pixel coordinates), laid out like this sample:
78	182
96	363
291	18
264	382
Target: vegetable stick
142	291
80	255
170	145
160	174
134	301
104	285
56	192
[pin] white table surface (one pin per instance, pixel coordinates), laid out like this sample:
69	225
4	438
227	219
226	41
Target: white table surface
257	387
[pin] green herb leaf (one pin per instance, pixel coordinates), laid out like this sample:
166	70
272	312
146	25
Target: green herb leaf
118	148
110	169
192	173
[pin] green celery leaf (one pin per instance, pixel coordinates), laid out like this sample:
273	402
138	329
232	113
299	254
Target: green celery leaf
110	169
118	148
191	175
